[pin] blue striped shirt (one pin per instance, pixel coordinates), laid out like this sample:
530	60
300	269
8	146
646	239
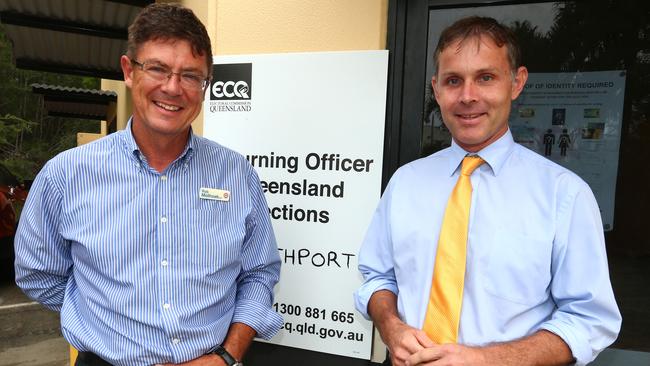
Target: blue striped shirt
141	268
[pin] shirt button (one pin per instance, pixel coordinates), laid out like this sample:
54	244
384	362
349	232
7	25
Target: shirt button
163	219
166	306
176	341
163	178
164	263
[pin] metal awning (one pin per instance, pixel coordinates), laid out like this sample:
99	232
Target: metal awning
81	37
63	101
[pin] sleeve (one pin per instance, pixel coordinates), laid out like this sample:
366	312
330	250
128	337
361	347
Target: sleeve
43	259
260	268
587	317
376	256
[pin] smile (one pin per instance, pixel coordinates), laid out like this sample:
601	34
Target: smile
470	116
168	107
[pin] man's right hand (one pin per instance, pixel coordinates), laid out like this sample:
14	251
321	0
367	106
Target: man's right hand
402	340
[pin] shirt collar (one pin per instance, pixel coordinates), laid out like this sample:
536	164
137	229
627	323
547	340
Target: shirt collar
132	147
128	140
494	154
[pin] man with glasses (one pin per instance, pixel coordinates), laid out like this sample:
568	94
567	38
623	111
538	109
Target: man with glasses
153	243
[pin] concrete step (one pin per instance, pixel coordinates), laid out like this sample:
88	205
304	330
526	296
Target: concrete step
30	335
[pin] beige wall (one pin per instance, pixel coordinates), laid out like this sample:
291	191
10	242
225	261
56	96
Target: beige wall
253	26
123	111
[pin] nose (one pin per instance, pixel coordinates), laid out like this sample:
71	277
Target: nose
173	84
468	93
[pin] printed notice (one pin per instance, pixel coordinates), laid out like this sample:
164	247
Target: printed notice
575	120
312	126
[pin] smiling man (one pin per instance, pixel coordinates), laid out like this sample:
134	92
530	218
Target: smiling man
486	253
153	243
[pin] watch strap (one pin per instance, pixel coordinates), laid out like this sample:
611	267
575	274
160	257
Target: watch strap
226	356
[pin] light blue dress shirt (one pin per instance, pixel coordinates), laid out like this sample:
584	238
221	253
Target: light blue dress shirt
142	270
535	253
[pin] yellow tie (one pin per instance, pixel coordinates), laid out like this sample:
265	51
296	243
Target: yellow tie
443	312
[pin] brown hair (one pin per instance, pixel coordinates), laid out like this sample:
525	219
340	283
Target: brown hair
476	27
160	21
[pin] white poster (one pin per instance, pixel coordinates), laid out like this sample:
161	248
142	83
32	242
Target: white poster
575	120
312	125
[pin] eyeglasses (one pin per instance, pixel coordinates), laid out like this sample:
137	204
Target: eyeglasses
158	72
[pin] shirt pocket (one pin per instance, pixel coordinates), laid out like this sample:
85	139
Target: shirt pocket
519	268
216	244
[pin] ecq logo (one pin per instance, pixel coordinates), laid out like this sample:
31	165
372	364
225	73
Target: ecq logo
231	82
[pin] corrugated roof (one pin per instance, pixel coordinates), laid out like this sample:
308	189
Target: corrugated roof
83	37
63	101
45	88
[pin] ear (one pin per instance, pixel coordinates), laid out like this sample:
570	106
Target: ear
520	81
434	86
127	70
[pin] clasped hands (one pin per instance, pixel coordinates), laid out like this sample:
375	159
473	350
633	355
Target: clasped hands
409	346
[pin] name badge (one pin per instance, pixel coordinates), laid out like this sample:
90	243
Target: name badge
214	194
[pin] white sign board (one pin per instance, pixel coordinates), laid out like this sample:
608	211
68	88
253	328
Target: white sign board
312	125
575	120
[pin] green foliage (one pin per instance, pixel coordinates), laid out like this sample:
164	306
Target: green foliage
11	127
28	137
